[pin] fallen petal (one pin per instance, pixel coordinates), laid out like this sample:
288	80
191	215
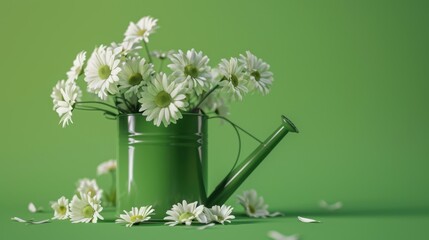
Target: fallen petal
307	220
278	236
41	221
17	219
331	207
206	226
275	214
32	208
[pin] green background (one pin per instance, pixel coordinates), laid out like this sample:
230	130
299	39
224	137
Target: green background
352	75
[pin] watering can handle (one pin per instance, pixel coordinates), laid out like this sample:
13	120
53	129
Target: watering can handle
236	128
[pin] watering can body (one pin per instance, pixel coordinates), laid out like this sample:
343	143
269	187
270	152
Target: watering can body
161	166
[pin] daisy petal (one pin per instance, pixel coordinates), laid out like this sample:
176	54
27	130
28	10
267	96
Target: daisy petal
307	220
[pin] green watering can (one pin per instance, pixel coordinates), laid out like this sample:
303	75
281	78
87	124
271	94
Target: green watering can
161	166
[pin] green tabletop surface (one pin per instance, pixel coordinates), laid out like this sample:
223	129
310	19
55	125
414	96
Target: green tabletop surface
345	224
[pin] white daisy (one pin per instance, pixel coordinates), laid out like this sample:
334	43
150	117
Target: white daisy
76	70
206	216
61	208
126	48
258	72
89	187
192	69
85	209
101	74
64	96
161	54
136	216
106	167
135	74
162	100
142	29
222	213
254	205
183	213
233	79
56	94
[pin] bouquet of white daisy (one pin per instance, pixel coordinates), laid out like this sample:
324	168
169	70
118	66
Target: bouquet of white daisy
125	79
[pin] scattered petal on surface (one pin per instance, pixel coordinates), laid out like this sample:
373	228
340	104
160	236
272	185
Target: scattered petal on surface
206	226
331	207
307	220
31	221
278	236
40	222
17	219
32	208
275	214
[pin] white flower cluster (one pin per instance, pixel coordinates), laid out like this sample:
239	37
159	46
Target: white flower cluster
180	213
84	207
125	72
186	213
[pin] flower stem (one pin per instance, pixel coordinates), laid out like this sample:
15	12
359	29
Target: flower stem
88	108
238	127
147	51
113	188
238	137
96	102
205	96
161	62
127	103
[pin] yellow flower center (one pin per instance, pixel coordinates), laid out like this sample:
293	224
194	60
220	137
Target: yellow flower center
256	75
135	79
141	32
234	80
136	218
62	210
185	216
88	211
104	72
252	209
163	99
191	71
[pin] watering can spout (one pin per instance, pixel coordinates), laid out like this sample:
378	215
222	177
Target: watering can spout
237	176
